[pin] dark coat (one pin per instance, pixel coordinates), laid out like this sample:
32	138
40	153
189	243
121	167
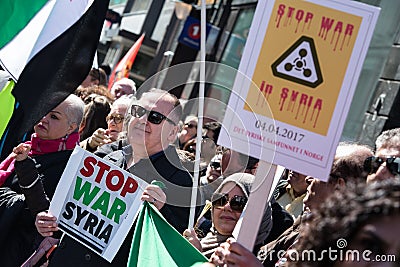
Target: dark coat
165	167
268	254
106	149
18	235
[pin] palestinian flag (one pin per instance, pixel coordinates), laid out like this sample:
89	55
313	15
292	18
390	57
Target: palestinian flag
48	48
124	66
156	243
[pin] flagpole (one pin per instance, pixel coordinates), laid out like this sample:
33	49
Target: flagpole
200	112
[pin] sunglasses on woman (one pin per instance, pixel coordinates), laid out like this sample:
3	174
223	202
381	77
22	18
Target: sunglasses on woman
152	116
236	203
372	164
116	118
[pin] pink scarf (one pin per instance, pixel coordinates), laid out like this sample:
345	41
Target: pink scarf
38	147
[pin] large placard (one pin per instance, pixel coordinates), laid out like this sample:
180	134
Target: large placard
96	202
301	65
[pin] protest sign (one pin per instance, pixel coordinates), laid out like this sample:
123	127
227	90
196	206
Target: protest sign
298	73
96	202
300	66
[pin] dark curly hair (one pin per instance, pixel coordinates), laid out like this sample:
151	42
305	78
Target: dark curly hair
343	214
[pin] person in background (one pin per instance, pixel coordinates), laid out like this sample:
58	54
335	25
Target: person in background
366	218
385	164
211	130
115	120
213	172
348	167
293	193
35	167
233	162
207	152
188	132
88	93
107	70
95	77
94	117
122	87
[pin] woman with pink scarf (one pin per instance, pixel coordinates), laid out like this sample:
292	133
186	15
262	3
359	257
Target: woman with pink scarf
33	167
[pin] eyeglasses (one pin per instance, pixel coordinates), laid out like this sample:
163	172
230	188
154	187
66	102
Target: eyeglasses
190	126
236	203
116	118
152	116
215	164
372	164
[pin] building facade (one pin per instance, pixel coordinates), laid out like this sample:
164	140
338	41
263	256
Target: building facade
376	104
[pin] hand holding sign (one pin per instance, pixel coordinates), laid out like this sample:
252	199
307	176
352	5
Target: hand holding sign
96	203
46	223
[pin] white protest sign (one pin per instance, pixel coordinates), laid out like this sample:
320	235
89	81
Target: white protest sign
300	67
96	202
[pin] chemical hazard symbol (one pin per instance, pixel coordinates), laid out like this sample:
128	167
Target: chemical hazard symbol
299	64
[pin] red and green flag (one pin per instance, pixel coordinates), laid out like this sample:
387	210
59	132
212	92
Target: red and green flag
124	66
156	243
47	47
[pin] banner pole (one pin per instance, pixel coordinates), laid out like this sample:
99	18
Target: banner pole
258	199
200	113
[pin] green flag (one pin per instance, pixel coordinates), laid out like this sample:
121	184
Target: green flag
52	42
156	243
15	16
7	102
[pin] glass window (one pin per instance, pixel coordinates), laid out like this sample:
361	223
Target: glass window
133	20
117	2
231	56
140	5
163	21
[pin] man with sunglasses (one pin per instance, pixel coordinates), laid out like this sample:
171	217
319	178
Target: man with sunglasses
386	162
188	132
152	128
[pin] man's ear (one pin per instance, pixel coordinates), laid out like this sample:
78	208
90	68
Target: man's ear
340	183
173	134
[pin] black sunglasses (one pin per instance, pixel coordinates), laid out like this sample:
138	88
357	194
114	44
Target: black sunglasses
190	126
116	118
152	116
372	164
215	164
237	203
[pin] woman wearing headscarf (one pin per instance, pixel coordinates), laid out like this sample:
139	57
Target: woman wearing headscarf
228	202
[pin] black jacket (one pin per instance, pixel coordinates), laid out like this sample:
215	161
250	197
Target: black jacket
18	235
164	166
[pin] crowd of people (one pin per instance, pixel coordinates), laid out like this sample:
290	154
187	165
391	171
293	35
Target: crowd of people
148	136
